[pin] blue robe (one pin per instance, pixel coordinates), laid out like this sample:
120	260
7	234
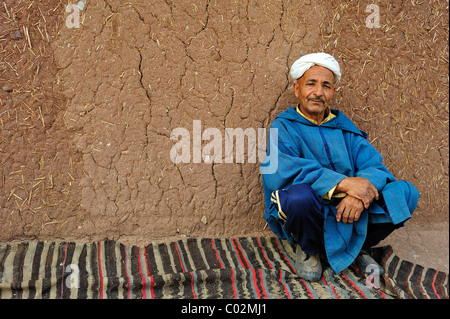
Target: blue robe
321	156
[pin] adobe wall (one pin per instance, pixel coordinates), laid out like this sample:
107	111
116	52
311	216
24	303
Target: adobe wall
88	114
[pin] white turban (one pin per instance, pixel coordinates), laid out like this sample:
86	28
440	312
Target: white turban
307	61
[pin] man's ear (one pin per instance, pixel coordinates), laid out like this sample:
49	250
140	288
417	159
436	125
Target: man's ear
295	87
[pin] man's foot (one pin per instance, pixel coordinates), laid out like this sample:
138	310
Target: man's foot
307	267
367	264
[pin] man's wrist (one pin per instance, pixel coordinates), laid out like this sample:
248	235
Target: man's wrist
341	186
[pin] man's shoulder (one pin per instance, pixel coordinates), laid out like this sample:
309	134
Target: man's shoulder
290	115
342	122
283	118
287	114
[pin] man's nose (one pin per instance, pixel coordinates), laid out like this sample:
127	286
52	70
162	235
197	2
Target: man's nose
318	91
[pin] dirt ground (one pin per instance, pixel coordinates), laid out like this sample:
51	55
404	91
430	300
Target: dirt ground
86	114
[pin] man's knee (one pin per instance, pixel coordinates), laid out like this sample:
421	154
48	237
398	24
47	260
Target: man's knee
300	199
304	212
405	190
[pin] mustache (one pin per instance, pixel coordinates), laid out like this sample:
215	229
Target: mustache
315	98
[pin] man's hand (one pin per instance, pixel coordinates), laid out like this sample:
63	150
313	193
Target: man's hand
359	188
349	209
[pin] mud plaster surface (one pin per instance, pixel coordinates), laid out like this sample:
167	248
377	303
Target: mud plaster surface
87	116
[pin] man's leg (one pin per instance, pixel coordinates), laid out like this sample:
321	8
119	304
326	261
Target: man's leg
303	216
301	210
377	232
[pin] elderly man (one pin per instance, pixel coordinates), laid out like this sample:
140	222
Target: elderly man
331	194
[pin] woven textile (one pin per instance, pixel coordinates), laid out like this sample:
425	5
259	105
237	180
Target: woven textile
203	268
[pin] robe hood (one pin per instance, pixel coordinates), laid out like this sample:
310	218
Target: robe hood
341	121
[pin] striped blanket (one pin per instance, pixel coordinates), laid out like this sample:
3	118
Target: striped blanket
197	268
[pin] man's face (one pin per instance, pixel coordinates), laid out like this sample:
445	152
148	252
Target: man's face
314	91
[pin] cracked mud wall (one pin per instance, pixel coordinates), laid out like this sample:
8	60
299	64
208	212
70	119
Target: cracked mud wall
94	161
136	71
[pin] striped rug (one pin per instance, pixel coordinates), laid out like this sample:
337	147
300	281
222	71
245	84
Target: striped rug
197	268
